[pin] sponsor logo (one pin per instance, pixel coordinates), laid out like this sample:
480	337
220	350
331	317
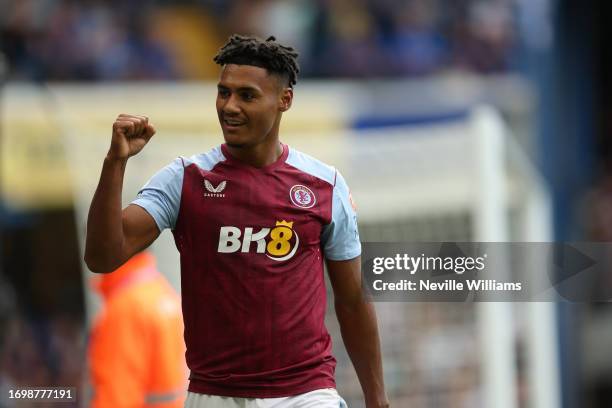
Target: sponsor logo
279	243
302	196
214	191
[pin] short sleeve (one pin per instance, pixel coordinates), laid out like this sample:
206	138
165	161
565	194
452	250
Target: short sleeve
161	195
340	238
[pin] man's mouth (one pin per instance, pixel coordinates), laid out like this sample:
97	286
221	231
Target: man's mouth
233	122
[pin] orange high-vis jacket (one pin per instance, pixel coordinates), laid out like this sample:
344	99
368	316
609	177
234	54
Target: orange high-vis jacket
137	351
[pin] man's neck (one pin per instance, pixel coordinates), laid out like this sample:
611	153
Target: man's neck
257	156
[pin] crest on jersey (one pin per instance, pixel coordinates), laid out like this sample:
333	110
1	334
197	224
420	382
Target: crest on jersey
302	196
214	191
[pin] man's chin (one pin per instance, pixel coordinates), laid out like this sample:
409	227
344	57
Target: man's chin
235	144
233	141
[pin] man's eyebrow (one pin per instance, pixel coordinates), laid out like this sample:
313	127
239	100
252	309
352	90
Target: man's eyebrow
241	89
248	89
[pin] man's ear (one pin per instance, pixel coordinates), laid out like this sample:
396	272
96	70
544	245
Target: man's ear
286	99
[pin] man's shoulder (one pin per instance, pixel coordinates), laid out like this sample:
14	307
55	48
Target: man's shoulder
206	160
310	165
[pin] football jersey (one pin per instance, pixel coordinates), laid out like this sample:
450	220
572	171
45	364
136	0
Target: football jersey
252	242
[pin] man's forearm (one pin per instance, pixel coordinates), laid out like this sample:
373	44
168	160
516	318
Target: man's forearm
103	248
359	330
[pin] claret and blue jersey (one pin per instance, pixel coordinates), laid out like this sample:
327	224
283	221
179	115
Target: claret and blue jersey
252	243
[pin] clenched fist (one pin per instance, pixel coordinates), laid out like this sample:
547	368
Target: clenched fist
130	134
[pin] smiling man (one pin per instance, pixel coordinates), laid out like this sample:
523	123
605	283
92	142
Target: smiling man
254	221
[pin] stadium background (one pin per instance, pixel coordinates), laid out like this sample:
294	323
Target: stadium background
383	82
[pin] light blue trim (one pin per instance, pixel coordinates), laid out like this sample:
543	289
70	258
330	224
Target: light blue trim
208	160
310	165
340	238
161	195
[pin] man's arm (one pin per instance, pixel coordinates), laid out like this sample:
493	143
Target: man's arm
359	329
113	234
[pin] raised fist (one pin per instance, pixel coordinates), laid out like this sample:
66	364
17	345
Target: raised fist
130	134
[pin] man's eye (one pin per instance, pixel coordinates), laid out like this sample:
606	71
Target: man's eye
223	93
248	96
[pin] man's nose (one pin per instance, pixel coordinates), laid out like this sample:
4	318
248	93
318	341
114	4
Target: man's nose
231	105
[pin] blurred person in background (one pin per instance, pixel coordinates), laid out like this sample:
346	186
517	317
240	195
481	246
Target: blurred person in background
144	40
416	46
484	38
346	41
67	40
136	353
253	304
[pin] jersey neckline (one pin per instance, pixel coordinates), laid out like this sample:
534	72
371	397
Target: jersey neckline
281	159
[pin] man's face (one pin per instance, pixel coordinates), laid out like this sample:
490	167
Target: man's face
249	104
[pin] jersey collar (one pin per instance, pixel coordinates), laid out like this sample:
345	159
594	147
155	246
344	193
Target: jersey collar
280	161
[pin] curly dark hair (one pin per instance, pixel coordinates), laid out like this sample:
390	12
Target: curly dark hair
268	54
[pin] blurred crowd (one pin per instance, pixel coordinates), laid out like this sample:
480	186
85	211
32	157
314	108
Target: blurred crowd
111	39
36	351
42	320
